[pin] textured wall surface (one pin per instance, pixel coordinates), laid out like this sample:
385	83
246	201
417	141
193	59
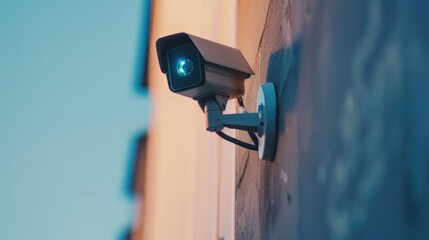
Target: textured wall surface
352	158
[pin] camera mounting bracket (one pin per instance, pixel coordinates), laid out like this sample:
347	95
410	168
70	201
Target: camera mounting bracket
263	122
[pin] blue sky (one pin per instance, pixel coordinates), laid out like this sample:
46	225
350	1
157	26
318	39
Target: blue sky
69	112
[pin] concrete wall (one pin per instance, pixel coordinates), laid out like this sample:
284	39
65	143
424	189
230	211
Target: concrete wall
352	158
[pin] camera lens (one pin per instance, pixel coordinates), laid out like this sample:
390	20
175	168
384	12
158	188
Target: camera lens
184	67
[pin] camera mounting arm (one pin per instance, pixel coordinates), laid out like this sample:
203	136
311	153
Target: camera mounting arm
216	120
262	122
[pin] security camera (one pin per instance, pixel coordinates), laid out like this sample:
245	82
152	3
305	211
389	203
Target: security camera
198	68
212	73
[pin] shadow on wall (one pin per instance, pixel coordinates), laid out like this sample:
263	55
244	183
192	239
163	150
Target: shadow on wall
282	71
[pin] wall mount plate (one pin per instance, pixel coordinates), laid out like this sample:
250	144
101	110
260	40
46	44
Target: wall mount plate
267	111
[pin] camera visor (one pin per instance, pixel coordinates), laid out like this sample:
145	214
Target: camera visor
185	68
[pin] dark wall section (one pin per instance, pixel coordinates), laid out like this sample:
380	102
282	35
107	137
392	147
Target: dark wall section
352	159
143	53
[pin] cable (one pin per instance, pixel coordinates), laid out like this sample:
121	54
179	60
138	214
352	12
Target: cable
240	102
236	141
252	135
254	138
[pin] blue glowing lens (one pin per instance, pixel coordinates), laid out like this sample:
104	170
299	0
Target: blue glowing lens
184	67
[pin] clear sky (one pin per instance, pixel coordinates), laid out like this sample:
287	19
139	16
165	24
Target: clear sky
69	113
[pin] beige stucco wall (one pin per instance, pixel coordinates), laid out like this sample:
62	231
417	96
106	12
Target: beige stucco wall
184	197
